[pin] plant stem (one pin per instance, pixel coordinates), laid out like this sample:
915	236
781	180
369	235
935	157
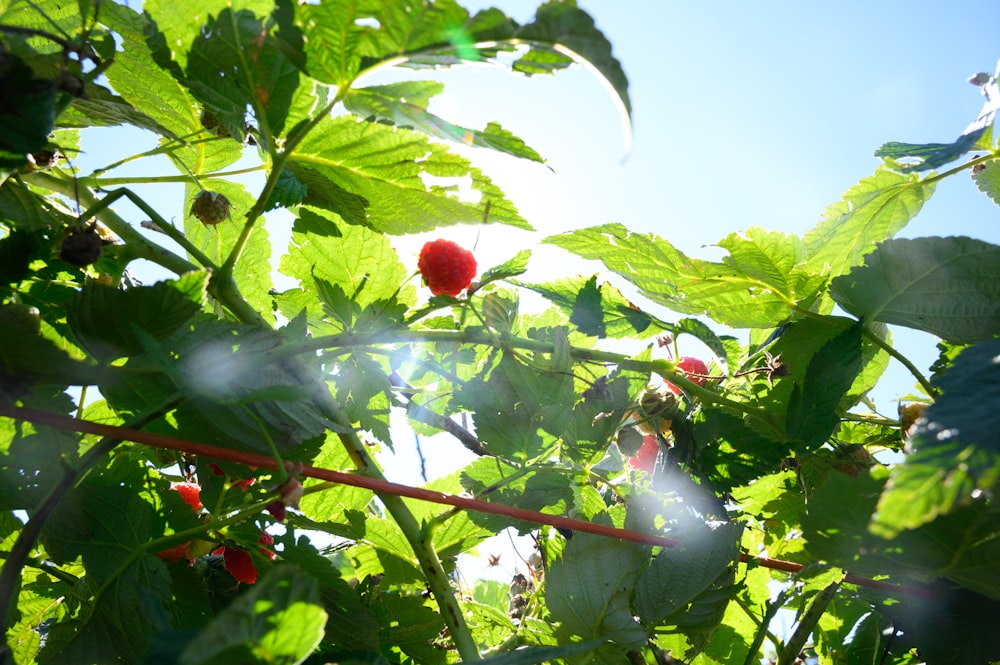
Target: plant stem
138	246
793	647
888	348
154	180
398	336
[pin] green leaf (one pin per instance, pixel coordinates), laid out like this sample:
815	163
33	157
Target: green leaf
360	261
235	62
537	655
404	104
106	319
512	267
252	271
909	157
279	620
754	287
374	175
599	311
144	84
351	624
545	490
873	210
956	454
679	574
287	192
949	287
104	521
987	179
731	453
181	21
588	589
813	407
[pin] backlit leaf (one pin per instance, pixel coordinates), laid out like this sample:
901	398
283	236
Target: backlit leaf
873	210
386	178
949	287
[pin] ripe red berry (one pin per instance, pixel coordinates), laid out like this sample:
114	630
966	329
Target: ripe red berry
691	365
267	540
239	564
645	459
446	268
175	553
191	493
277	510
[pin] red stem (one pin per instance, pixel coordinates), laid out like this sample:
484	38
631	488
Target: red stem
61	421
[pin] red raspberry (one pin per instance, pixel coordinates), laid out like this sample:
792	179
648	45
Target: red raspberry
447	268
191	493
645	458
690	365
267	540
277	510
239	564
175	553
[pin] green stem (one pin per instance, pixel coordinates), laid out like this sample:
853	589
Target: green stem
163	225
139	247
763	625
793	647
888	348
152	180
664	368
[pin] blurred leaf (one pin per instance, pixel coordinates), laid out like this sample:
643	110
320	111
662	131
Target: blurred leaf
873	210
813	407
956	456
106	319
404	104
373	175
27	112
537	655
949	287
588	589
278	620
679	574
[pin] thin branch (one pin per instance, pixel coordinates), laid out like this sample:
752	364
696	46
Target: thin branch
390	489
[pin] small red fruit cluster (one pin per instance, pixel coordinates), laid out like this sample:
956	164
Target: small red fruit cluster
446	267
238	562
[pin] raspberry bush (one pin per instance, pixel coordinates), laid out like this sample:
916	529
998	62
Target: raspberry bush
676	507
